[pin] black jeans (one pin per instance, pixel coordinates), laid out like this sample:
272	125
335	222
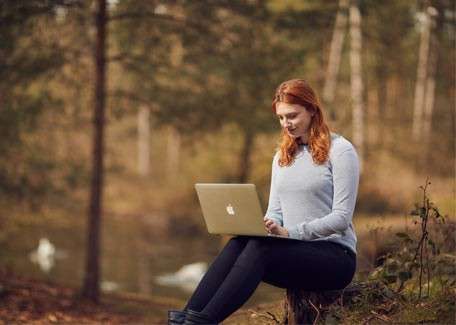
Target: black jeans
246	261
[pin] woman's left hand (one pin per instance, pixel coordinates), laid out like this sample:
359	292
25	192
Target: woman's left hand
274	228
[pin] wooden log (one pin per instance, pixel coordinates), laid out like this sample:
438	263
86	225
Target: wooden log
311	307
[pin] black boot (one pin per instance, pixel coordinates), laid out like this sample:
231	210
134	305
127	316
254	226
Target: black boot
176	317
194	317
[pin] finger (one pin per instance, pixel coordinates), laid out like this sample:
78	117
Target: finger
274	226
274	231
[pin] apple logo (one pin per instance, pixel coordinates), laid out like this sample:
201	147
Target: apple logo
230	210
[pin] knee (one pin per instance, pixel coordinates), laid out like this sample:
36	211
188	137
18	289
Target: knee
239	241
255	251
235	244
258	243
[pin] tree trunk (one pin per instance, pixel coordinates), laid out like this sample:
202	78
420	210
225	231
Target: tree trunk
372	123
420	85
144	266
335	54
92	274
143	141
356	80
312	307
173	152
430	84
382	102
244	161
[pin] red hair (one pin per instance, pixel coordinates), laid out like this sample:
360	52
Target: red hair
298	91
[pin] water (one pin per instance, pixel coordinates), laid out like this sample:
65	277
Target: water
133	255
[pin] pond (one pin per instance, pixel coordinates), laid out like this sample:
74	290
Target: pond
135	260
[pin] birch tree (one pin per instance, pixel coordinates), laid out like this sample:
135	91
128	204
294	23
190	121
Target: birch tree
335	54
420	85
430	79
356	78
143	141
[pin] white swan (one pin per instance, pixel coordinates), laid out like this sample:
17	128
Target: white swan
44	255
109	286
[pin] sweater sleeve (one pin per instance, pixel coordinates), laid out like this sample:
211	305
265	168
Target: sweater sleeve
274	210
345	169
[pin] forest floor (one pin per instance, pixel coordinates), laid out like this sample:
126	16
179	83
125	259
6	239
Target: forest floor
33	302
28	301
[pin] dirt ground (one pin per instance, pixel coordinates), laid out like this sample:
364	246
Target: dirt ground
27	301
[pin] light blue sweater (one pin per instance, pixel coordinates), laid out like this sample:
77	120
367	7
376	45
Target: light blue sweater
316	202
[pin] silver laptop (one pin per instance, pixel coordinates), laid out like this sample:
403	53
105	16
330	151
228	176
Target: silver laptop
232	209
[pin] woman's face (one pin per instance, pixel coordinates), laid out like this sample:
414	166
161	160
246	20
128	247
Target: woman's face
294	119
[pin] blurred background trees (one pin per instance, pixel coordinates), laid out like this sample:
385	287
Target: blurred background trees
189	88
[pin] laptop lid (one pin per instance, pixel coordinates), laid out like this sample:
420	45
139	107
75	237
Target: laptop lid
232	209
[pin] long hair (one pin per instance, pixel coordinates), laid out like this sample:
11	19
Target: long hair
298	91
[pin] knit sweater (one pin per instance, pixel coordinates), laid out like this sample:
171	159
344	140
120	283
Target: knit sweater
316	202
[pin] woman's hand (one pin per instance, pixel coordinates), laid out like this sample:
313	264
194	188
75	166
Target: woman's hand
274	228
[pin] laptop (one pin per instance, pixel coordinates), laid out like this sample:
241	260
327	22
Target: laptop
232	209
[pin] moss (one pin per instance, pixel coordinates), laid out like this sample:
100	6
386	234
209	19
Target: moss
439	309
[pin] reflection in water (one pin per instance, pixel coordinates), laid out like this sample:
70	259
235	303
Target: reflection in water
144	274
186	278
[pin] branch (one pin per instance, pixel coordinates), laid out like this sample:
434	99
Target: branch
115	58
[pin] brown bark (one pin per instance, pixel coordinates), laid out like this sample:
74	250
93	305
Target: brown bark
311	307
92	273
244	162
382	95
173	154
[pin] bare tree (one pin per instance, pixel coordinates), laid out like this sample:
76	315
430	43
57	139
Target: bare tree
91	288
143	141
173	152
335	54
356	78
420	86
430	80
244	159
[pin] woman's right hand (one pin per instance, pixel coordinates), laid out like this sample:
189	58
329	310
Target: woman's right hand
273	228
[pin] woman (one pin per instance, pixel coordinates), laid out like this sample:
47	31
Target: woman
314	185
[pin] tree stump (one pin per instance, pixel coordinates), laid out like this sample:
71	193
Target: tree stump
310	307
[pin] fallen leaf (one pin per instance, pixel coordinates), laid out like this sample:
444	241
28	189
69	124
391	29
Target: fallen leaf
52	318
